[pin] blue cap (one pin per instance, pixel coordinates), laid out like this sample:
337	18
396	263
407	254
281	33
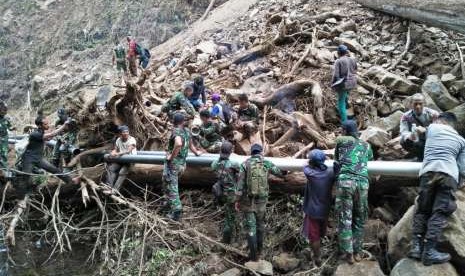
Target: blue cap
317	156
123	128
256	149
342	49
178	118
350	127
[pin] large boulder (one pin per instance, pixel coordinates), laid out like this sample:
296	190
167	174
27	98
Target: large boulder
390	123
375	136
357	269
452	240
439	93
285	262
459	111
261	267
394	82
409	267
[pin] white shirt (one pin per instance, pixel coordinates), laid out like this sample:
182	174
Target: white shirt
123	146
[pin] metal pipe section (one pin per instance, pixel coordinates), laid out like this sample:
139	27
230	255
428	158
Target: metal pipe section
383	168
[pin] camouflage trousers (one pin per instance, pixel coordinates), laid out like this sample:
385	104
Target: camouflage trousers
351	213
170	180
254	215
210	147
4	153
229	226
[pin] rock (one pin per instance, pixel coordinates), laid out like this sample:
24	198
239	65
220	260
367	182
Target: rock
387	48
390	123
376	232
452	240
383	214
331	20
447	79
231	272
206	47
357	269
409	267
257	84
439	93
262	267
394	82
459	111
457	88
353	45
37	82
375	136
215	264
285	262
415	80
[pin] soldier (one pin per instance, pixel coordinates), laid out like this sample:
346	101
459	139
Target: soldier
442	172
352	155
119	57
5	125
413	126
247	116
66	141
33	155
125	144
227	173
180	101
252	195
209	136
175	163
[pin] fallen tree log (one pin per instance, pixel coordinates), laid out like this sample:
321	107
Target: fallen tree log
448	14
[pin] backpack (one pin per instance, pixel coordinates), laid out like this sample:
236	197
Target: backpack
142	51
257	178
147	53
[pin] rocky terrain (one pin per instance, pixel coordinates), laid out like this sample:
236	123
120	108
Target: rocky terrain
280	53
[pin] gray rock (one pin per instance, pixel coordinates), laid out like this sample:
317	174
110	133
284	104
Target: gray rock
447	79
262	267
457	88
285	262
231	272
409	267
362	268
439	93
452	241
206	47
375	136
394	82
390	123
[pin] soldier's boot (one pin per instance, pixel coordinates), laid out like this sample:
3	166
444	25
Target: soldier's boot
259	243
348	257
417	248
316	252
252	243
175	215
432	256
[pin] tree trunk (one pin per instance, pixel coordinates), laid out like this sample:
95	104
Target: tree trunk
448	14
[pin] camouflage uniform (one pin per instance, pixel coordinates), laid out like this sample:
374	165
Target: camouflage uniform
120	55
250	117
63	143
352	192
177	102
175	168
210	139
254	207
227	173
5	125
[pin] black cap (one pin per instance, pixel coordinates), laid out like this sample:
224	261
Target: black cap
350	127
178	118
123	128
256	149
226	149
205	113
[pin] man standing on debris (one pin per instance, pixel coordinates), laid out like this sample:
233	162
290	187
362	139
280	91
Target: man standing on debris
209	133
132	56
66	141
317	200
33	155
124	145
252	195
344	79
180	101
227	173
5	126
413	126
175	163
119	57
352	155
198	98
247	116
442	170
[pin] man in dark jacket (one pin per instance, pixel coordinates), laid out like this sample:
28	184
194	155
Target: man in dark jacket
317	200
344	79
